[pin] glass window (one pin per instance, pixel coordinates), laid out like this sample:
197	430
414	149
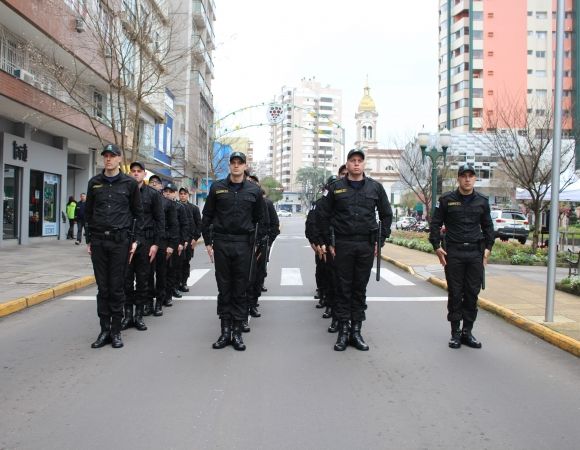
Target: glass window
10	202
541	15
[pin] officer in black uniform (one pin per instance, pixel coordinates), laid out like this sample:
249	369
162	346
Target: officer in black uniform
467	244
137	279
349	207
233	209
158	276
273	232
114	216
194	221
175	267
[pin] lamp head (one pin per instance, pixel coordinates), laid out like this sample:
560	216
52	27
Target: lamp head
423	140
445	139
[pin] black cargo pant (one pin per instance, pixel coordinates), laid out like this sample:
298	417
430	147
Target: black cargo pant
258	277
353	264
318	275
186	266
464	271
158	277
110	259
329	280
232	262
174	271
137	278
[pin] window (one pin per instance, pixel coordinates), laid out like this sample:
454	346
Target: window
477	93
477	34
541	15
477	15
477	54
540	54
541	73
98	105
529	91
490	15
490	73
542	93
540	112
530	71
530	13
490	34
542	35
490	53
530	52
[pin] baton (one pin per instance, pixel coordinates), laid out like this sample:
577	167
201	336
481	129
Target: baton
252	252
379	252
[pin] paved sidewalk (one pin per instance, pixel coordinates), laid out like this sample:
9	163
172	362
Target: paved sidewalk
520	289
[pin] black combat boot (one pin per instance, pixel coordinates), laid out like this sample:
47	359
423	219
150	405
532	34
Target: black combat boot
225	338
237	341
254	312
168	301
263	288
148	308
183	288
317	295
467	338
327	313
104	337
176	293
116	341
455	341
356	340
138	321
158	307
245	326
333	328
127	321
342	339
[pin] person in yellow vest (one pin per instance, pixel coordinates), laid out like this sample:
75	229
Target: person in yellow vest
71	207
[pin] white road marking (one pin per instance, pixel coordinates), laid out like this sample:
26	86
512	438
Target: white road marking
195	275
292	298
291	276
393	278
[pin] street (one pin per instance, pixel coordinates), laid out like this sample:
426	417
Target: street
168	389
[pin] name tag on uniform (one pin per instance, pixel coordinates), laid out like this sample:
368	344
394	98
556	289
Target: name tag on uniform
340	191
97	186
454	204
222	191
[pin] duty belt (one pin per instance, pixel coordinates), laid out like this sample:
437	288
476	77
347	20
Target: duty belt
464	245
353	237
114	235
232	237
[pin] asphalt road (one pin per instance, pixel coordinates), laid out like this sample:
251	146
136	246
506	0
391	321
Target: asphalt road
167	389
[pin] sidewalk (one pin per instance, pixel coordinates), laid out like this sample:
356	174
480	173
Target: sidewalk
38	272
516	293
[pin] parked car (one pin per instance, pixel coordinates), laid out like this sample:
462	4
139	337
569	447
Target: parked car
284	213
405	222
510	224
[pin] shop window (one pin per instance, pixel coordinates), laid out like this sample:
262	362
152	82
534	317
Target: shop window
10	202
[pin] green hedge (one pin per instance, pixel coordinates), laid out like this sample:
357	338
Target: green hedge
570	285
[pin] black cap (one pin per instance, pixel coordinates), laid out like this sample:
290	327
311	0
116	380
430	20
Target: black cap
356	151
238	155
331	179
465	168
170	187
182	189
155	177
137	163
111	148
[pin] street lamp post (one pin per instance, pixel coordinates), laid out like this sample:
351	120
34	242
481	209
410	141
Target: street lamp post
444	141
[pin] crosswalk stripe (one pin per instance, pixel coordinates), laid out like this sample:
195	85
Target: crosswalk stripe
195	275
299	298
290	277
393	278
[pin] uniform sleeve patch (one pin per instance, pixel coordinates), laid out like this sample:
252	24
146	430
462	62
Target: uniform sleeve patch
97	186
222	191
340	191
454	204
437	205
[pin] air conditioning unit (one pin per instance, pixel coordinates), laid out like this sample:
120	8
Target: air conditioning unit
24	75
80	24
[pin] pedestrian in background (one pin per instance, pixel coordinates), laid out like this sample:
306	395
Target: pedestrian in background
463	252
194	233
71	207
80	218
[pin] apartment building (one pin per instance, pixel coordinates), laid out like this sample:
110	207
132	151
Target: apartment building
493	53
311	134
191	117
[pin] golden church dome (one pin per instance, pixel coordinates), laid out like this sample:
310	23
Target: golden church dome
367	103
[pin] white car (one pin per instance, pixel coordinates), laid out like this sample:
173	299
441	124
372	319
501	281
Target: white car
284	213
405	222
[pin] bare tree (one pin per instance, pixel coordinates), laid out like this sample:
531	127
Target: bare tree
520	135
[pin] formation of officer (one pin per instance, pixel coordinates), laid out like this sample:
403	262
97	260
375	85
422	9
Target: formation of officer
349	233
231	214
463	251
139	270
114	217
167	246
194	233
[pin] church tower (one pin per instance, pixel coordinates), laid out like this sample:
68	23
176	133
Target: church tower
366	121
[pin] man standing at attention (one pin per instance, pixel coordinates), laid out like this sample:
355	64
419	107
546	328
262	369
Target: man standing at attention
233	208
467	244
114	216
348	230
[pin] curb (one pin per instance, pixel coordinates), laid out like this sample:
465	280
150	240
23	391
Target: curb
555	338
400	265
18	304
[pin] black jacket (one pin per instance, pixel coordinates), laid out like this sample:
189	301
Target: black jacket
112	206
274	225
352	212
153	215
194	218
465	222
80	211
183	221
171	223
232	212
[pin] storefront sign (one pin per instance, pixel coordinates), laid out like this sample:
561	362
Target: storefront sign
19	151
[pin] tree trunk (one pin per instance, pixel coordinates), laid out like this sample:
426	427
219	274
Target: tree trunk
537	227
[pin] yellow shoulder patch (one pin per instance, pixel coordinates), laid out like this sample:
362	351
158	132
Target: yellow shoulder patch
222	191
454	204
97	186
340	191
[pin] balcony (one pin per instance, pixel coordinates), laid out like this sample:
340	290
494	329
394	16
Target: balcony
203	87
201	53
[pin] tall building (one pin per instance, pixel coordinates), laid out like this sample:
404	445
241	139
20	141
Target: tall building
190	114
311	134
493	52
380	164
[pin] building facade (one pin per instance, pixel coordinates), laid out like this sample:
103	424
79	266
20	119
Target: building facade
311	134
493	53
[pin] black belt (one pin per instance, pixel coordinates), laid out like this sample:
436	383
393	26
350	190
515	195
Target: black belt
232	237
464	245
353	237
149	233
114	235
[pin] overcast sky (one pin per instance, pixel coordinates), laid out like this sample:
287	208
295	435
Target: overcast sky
263	45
